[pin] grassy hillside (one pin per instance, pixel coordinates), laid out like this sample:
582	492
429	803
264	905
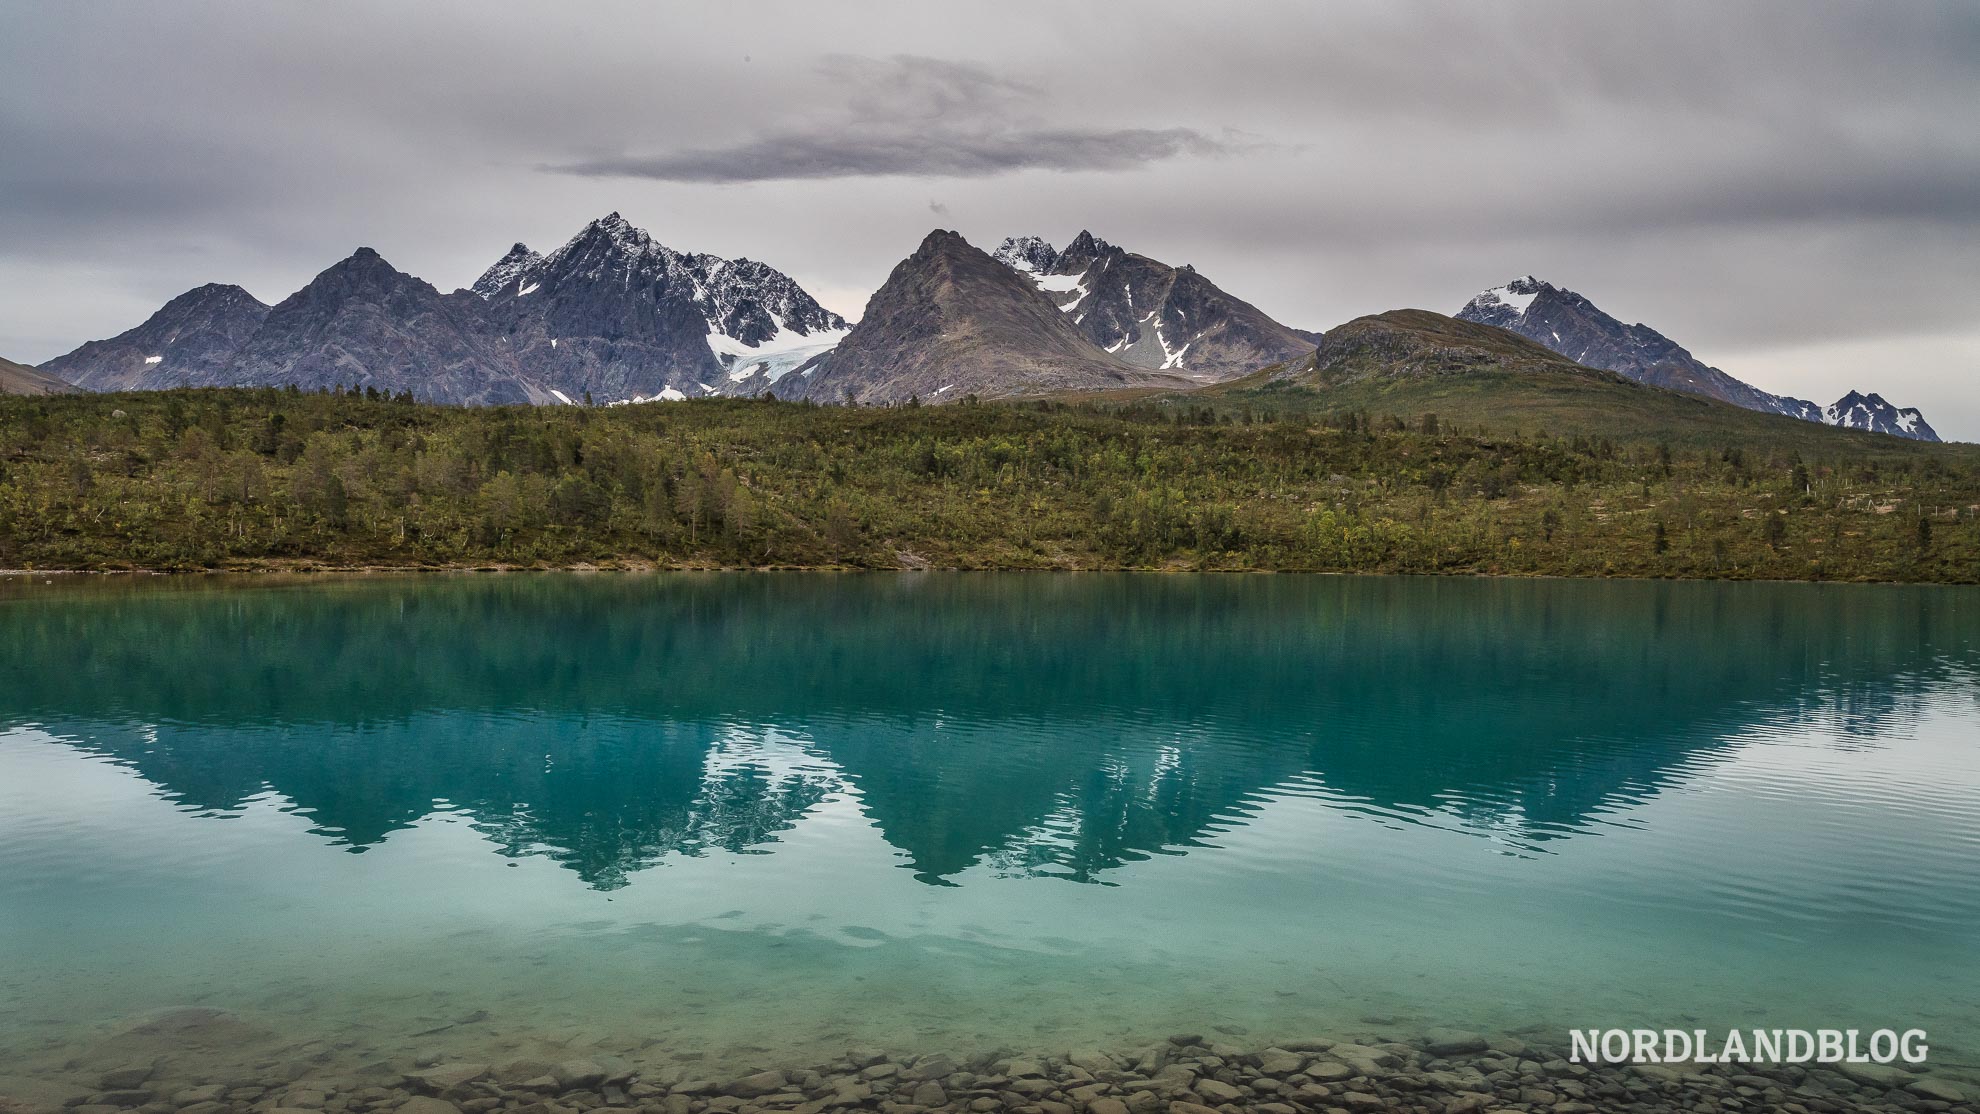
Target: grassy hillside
20	379
267	478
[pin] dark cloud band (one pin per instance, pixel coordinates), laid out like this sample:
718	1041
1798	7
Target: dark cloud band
926	155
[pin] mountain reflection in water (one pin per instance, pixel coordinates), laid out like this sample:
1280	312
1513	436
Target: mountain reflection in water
1030	724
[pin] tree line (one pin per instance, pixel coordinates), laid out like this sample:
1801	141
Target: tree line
264	478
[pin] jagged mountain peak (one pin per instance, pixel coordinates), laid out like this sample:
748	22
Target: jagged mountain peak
362	271
613	237
1085	249
1032	254
211	293
363	259
507	271
619	231
947	239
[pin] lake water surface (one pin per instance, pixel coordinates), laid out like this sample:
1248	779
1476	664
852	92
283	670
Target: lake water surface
749	816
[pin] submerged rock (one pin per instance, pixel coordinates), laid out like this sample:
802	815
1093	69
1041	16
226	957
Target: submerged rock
1453	1042
578	1073
1938	1090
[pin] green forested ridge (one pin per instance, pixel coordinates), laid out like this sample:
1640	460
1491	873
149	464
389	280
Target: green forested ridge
270	478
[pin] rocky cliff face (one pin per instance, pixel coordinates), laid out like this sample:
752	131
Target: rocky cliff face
1571	325
951	321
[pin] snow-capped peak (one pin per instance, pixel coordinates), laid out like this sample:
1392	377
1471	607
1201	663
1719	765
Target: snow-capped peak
1030	254
1871	412
1515	296
620	235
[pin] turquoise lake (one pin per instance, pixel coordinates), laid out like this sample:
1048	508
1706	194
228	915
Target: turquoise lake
742	816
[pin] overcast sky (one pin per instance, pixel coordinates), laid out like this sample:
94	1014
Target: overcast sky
1790	190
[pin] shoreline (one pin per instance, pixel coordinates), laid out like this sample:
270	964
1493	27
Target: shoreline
652	568
1441	1072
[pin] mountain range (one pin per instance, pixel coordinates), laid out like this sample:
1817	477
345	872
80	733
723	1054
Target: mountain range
614	316
1571	325
611	315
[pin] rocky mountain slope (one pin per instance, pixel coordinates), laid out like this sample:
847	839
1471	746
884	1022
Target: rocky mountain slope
1571	325
20	379
1150	314
952	321
190	339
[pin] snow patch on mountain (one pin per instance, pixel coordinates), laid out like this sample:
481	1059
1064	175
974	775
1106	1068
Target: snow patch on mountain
766	362
1516	296
667	394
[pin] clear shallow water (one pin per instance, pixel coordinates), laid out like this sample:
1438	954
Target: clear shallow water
757	816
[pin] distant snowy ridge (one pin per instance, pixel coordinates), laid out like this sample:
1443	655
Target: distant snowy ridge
1567	323
1870	412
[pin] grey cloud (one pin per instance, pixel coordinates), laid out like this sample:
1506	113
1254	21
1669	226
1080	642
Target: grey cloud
912	116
